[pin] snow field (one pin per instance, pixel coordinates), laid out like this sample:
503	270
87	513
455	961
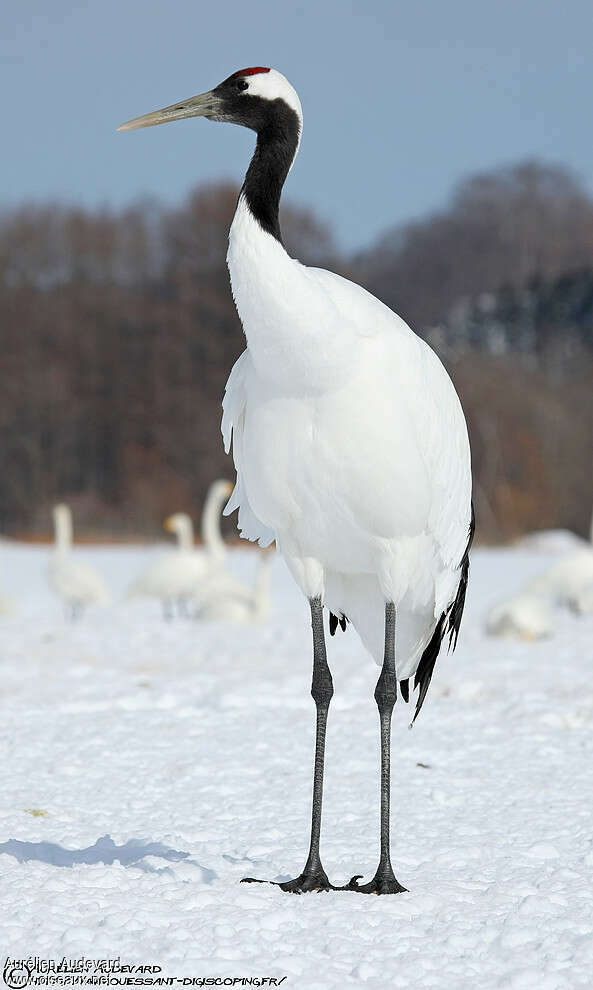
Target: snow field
148	766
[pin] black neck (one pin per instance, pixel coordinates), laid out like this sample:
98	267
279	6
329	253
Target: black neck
277	143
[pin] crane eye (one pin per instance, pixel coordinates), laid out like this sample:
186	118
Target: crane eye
241	84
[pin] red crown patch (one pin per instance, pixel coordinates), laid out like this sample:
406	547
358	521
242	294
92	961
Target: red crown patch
253	71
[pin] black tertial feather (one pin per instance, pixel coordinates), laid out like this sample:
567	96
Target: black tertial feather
334	621
427	662
448	624
456	610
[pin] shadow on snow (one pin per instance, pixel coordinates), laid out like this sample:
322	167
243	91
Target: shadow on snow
104	851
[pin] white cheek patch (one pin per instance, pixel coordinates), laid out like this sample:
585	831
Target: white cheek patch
273	85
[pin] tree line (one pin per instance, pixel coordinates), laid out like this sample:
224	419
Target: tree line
118	331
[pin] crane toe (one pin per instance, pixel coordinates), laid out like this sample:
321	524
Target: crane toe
303	884
382	883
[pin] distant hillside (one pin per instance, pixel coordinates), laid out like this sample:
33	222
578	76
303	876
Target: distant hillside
118	331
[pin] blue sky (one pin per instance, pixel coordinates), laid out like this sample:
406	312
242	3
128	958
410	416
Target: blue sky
400	99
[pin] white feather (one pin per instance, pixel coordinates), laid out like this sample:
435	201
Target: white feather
349	442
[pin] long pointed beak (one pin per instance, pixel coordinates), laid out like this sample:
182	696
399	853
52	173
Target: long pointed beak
204	105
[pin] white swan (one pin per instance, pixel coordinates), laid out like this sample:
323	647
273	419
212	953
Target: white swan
225	599
77	584
179	576
524	616
566	579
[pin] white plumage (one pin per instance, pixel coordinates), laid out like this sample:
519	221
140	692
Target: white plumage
524	616
348	437
349	442
225	599
183	574
77	584
552	541
568	580
566	577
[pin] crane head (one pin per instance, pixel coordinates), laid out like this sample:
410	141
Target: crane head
249	97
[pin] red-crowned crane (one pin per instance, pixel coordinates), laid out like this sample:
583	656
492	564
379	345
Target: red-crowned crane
349	441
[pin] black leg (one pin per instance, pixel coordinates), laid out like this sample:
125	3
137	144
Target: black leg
314	876
384	881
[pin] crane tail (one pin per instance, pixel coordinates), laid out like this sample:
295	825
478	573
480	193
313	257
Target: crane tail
448	625
428	659
334	622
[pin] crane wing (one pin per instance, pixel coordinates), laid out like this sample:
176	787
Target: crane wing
233	425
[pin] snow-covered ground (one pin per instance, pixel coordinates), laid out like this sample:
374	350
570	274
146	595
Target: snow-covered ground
146	767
